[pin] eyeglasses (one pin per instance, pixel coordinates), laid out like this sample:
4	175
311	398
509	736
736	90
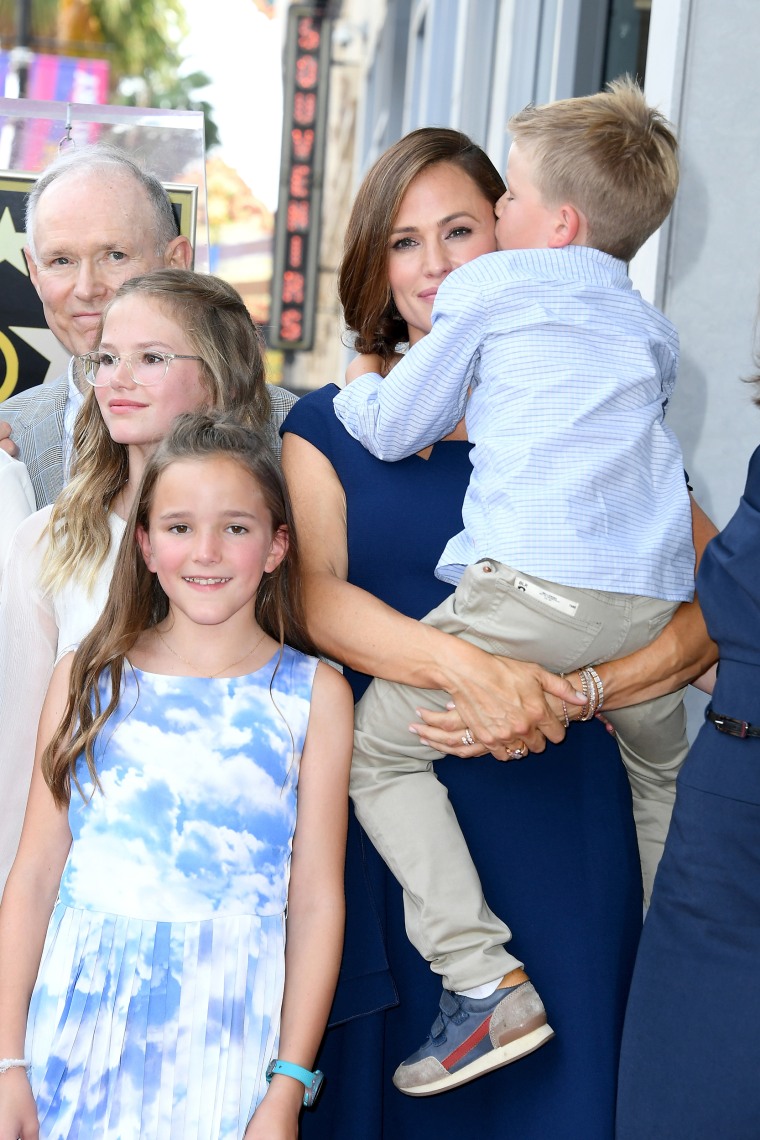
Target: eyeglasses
146	367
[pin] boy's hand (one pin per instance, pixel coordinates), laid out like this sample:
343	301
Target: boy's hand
363	364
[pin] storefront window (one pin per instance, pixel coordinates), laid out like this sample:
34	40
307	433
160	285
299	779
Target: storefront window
627	37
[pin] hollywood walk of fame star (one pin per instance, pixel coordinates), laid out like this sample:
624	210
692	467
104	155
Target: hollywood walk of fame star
12	243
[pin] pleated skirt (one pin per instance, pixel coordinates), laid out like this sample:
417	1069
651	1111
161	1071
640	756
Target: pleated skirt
154	1030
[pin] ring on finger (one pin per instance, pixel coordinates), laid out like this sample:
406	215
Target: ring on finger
519	753
468	738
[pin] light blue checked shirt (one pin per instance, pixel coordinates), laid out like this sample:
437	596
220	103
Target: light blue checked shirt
575	478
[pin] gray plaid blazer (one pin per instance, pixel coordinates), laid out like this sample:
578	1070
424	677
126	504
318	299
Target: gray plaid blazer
36	419
282	401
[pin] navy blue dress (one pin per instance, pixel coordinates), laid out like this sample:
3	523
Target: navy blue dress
690	1067
553	840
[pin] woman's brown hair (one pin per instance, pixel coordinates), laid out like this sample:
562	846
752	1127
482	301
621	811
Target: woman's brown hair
363	286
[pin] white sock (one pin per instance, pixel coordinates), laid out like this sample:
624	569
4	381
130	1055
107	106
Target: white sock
483	991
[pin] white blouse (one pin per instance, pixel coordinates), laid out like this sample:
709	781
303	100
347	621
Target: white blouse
16	501
36	629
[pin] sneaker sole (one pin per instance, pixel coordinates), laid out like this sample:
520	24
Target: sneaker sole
496	1059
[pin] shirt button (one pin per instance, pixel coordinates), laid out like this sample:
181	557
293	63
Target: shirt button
487	569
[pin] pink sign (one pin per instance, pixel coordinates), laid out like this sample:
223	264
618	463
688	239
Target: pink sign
62	79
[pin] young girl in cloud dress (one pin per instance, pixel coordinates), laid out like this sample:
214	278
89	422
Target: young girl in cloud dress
189	791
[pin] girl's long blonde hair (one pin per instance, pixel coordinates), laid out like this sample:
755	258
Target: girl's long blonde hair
219	328
136	600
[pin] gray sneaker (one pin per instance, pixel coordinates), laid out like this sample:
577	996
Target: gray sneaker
472	1036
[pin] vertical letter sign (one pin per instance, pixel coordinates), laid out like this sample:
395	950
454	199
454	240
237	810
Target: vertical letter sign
296	239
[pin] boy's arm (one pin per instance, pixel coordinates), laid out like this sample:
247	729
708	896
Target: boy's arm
423	398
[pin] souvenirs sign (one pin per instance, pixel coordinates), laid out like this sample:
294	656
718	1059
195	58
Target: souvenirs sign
296	240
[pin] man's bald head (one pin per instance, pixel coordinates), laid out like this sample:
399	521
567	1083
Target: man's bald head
94	219
110	161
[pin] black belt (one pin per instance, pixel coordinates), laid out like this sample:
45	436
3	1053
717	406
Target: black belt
730	726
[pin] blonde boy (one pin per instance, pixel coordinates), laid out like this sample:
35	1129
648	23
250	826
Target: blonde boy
577	543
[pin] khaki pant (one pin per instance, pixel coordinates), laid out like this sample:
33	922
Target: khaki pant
406	811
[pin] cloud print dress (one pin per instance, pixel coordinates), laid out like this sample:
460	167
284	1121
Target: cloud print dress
157	1005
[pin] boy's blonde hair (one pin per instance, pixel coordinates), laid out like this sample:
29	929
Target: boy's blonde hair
610	155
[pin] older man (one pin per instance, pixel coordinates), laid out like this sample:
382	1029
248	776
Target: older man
93	219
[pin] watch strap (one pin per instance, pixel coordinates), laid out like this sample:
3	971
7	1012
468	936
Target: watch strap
311	1081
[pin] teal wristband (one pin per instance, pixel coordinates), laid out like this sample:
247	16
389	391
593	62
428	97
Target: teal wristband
312	1082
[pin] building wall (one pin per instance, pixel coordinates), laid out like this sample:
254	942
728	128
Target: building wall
703	269
704	61
355	30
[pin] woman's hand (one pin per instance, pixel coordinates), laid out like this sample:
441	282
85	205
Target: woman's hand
504	706
18	1112
574	711
446	732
